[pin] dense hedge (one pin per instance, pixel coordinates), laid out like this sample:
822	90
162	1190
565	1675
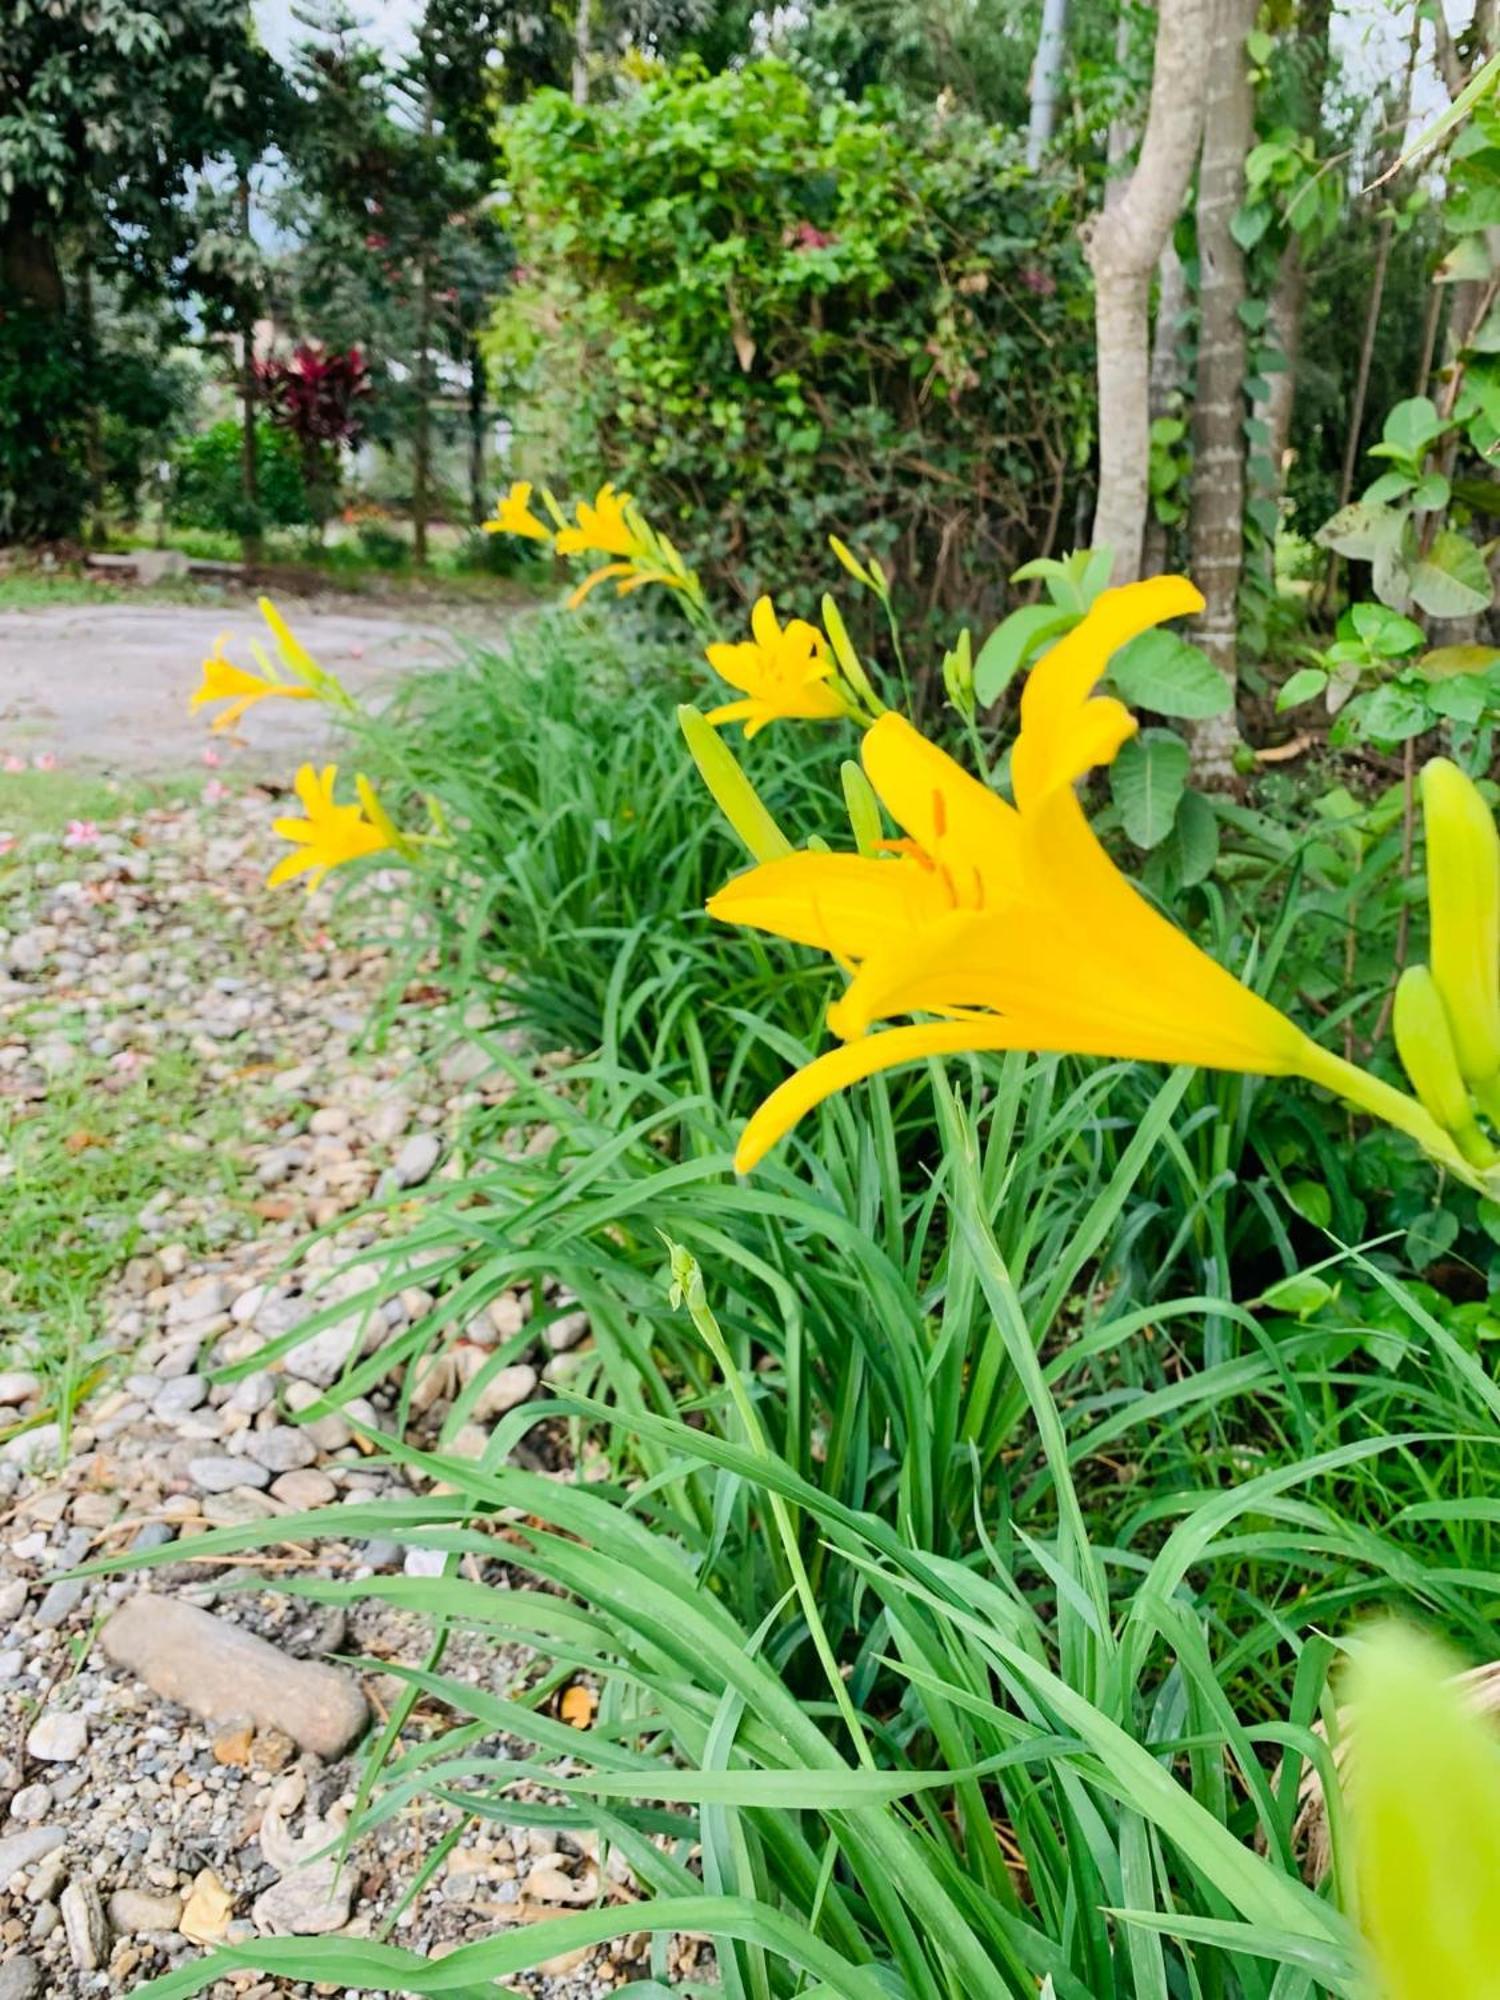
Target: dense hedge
41	426
780	312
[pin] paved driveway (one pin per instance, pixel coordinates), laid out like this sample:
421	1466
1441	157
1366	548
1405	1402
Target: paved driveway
106	685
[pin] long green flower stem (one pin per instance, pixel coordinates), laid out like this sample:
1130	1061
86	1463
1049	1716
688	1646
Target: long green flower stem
1393	1107
687	1289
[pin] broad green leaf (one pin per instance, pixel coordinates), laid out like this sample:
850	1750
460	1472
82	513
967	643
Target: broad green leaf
1451	580
1444	662
1362	531
1165	672
1147	780
1248	224
1013	642
1393	713
1194	844
1302	1294
1304	685
1409	430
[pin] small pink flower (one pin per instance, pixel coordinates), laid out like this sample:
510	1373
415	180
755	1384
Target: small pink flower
215	792
9	842
81	833
128	1060
44	761
14	763
212	758
356	650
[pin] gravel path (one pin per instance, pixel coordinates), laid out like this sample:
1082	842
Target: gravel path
134	1829
106	685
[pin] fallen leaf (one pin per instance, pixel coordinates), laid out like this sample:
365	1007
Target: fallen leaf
577	1705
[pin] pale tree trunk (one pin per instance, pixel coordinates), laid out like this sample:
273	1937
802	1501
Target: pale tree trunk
1122	245
1168	377
1216	529
1045	76
251	544
421	438
582	49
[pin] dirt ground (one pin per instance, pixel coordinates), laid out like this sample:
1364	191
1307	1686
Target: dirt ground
106	685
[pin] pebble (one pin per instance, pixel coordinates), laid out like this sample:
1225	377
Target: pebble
31	1804
219	1475
253	1393
153	1535
58	1736
20	1978
18	1385
177	1397
61	1601
505	1389
304	1487
417	1158
12	1597
132	1911
222	1673
283	1448
83	1921
19	1851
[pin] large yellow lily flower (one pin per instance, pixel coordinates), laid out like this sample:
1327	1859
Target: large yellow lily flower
1011	922
784	671
238	688
513	515
330	834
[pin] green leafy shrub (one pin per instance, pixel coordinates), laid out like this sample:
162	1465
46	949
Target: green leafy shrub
774	312
208	489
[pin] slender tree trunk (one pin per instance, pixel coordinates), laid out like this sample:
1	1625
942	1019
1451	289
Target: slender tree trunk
93	430
251	545
421	440
1216	527
1168	379
1045	76
478	495
582	50
1122	245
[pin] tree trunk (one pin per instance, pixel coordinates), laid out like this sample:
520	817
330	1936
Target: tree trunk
582	49
1123	244
1168	379
421	439
29	270
1046	73
478	495
1216	522
93	430
251	544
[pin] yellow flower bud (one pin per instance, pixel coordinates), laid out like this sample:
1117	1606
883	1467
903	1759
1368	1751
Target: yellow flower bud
1424	1042
732	791
1463	893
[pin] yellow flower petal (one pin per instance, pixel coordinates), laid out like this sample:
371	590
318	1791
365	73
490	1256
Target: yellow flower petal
847	904
1051	749
513	515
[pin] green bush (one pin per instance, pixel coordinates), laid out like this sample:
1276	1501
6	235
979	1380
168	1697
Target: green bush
208	490
774	312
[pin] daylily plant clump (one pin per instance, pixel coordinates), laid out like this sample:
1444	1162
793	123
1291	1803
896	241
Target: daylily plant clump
328	834
609	525
1010	926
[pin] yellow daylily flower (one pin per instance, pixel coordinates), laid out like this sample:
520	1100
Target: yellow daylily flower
331	834
1011	922
238	687
513	515
604	528
785	671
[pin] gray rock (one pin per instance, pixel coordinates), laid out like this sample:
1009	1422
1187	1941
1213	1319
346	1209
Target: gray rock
61	1601
417	1159
253	1393
283	1448
31	1804
58	1736
177	1397
19	1851
321	1357
505	1389
12	1660
304	1487
12	1597
18	1385
381	1553
20	1979
132	1911
32	1448
219	1474
153	1535
84	1925
220	1672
